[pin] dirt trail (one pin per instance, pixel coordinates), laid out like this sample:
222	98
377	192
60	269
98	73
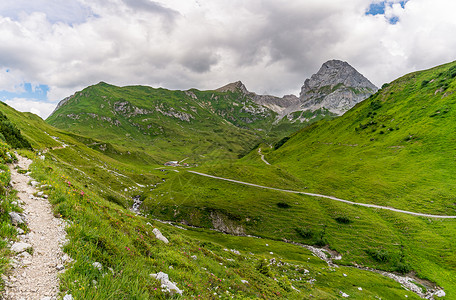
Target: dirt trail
328	197
36	276
262	157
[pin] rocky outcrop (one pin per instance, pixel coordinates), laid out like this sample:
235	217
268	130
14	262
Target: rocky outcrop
337	86
237	86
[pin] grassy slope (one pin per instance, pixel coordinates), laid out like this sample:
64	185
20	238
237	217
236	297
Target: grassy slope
215	126
100	230
393	149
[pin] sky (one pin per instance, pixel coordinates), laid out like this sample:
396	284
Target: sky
49	49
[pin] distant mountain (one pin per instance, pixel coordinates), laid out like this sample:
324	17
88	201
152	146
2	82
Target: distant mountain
155	118
337	86
333	90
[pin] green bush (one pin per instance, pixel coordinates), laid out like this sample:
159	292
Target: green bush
321	241
402	267
342	219
281	142
379	255
305	233
283	205
12	134
263	268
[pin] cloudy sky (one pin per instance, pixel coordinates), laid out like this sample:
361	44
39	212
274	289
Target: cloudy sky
50	49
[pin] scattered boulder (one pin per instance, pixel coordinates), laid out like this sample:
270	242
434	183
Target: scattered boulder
440	293
20	247
68	297
344	295
20	231
16	219
160	236
244	281
166	284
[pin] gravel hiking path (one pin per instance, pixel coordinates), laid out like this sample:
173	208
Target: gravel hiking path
262	157
328	197
35	276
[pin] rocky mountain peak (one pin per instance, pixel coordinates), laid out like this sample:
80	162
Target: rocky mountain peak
337	86
237	86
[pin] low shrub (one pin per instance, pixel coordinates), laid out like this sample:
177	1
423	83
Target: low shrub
283	205
305	233
342	219
379	255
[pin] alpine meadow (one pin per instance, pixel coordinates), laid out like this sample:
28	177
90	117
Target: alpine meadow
227	150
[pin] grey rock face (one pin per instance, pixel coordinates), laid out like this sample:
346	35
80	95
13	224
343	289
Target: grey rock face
337	86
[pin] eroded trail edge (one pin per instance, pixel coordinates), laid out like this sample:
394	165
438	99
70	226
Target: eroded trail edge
328	197
34	273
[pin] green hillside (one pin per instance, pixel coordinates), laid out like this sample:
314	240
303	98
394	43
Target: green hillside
394	149
161	124
91	191
168	125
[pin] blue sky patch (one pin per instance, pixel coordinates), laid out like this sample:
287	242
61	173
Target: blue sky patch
378	8
35	92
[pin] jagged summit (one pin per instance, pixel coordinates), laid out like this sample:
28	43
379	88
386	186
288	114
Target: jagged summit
234	87
337	86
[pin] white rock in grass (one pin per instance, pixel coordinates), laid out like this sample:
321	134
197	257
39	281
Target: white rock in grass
160	236
68	297
440	293
244	281
20	247
97	265
235	251
34	183
344	295
166	284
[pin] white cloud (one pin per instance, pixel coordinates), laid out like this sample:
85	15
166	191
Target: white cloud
42	109
273	46
10	81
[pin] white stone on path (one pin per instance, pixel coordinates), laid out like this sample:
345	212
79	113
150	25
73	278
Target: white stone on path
20	247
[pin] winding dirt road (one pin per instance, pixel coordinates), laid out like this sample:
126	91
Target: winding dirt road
262	157
328	197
